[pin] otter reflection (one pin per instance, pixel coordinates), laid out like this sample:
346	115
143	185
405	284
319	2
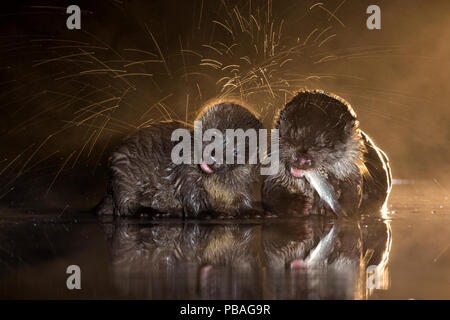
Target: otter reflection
309	258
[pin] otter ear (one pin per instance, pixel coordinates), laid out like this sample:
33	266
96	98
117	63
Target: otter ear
351	125
284	126
281	123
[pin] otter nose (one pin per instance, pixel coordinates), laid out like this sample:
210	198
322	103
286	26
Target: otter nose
303	160
214	163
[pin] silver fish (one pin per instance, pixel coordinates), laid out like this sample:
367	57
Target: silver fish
320	254
325	190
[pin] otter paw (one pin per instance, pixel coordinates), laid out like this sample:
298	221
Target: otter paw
270	215
253	215
224	216
126	210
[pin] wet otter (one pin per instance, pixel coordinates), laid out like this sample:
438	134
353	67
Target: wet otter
144	178
325	160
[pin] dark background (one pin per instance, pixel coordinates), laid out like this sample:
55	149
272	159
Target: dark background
67	97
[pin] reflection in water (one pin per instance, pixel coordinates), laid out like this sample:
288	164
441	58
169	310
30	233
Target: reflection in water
280	259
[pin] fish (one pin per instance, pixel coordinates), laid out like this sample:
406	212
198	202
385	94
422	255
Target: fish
325	190
320	254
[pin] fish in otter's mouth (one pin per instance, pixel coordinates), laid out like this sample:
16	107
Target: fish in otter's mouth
324	159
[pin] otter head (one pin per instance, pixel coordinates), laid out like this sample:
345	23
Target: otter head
223	116
317	130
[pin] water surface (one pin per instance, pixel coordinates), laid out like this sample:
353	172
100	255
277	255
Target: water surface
405	256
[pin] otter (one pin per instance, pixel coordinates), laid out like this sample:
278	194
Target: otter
143	178
327	163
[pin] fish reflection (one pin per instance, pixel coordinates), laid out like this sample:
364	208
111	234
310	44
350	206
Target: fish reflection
312	258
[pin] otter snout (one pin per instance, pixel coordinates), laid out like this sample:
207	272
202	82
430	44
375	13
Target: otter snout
303	161
211	165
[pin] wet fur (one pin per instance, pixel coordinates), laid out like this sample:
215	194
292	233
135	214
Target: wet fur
144	179
324	128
